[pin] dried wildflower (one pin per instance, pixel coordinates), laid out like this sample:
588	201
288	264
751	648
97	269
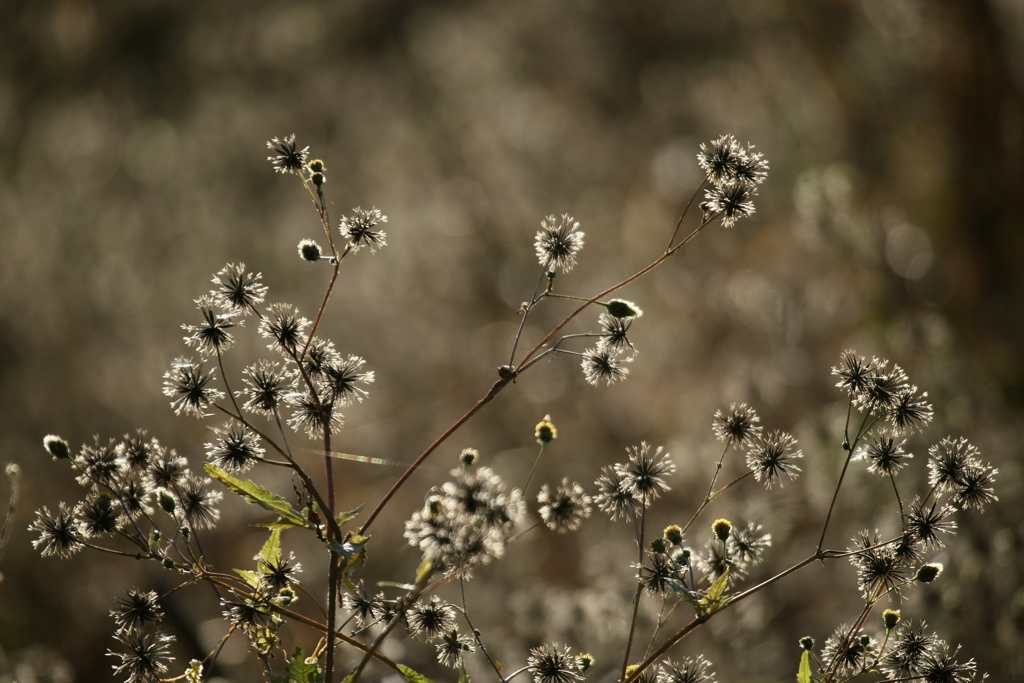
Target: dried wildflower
99	514
732	202
848	653
689	670
236	449
188	384
604	363
168	470
925	522
385	610
855	371
287	158
100	463
948	461
769	456
564	508
136	610
910	410
197	503
660	577
138	450
358	602
278	573
736	426
431	619
716	561
883	392
976	489
285	328
320	353
309	250
238	291
720	159
358	229
467	522
145	658
752	168
59	534
451	648
941	666
614	497
614	334
885	455
57	447
134	494
557	243
342	380
550	663
211	337
643	474
266	387
878	566
311	416
747	544
912	645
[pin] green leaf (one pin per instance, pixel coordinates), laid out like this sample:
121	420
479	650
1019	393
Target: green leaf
715	598
271	551
346	517
301	671
251	578
413	676
257	495
804	674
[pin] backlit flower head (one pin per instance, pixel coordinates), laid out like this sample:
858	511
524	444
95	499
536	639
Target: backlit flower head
359	229
737	425
211	336
558	242
563	508
286	157
238	291
604	363
769	456
188	384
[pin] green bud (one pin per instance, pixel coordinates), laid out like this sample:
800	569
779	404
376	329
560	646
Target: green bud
620	308
310	250
469	456
890	618
722	528
57	447
807	643
928	573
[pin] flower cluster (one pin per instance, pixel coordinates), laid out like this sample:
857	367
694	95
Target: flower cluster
466	522
734	173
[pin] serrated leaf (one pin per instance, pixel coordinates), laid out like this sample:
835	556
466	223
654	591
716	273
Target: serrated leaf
251	578
271	550
413	676
804	674
257	495
346	517
301	671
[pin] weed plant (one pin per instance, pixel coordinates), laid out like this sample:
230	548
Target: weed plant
143	501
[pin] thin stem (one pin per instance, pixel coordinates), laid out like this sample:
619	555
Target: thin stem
526	313
638	593
476	632
536	464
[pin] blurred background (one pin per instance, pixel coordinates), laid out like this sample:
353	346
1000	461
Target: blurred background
134	167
